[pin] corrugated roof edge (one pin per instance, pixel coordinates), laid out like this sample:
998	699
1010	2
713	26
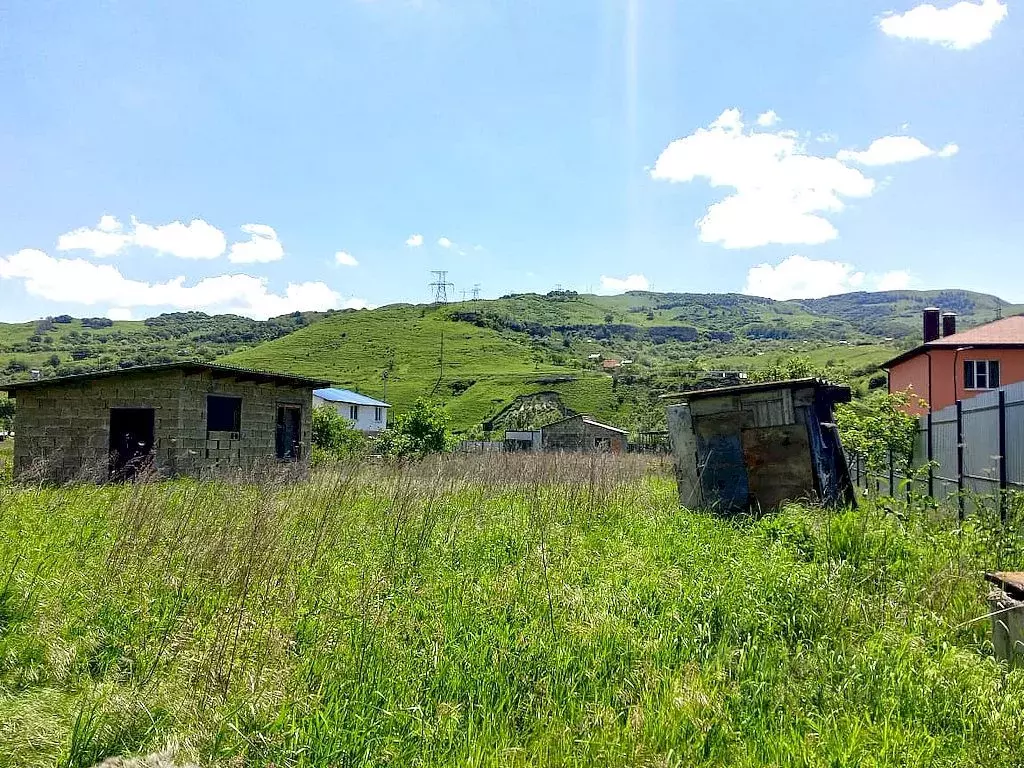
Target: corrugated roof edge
342	395
187	365
738	389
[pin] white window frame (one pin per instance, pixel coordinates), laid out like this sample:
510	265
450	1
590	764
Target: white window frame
378	413
353	412
982	371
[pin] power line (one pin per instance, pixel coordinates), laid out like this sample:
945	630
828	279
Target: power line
440	286
476	291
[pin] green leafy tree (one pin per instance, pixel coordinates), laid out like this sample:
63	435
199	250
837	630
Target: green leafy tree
334	436
426	428
797	368
879	426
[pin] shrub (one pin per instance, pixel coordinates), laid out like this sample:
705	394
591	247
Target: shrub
878	426
334	436
424	429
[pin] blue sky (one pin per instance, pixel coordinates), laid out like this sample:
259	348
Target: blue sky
218	156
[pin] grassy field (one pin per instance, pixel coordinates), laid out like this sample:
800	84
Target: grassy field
510	610
6	459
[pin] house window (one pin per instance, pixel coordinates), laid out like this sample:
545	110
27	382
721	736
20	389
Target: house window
378	413
981	374
353	412
223	414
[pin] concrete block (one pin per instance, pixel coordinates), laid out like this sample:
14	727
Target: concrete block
1007	627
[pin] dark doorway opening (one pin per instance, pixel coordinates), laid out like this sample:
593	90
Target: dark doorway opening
289	432
131	441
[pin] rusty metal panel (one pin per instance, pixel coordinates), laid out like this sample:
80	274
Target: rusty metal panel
779	464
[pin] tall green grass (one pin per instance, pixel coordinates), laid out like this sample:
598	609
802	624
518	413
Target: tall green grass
499	610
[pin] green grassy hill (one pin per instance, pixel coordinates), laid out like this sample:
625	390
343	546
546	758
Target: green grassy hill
481	369
497	352
62	345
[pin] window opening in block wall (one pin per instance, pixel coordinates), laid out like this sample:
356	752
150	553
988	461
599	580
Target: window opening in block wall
223	414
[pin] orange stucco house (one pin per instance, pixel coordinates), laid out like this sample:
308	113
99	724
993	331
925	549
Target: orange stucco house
953	366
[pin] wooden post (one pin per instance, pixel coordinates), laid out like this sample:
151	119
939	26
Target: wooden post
960	456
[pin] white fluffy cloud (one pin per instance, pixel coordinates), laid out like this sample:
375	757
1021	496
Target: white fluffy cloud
960	26
767	119
799	277
345	259
119	313
890	150
261	247
781	193
444	242
414	241
80	281
622	284
195	240
106	239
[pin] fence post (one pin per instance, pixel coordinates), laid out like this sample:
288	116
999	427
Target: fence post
1002	455
960	456
931	457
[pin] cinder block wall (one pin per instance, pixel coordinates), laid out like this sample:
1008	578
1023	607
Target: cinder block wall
564	436
201	453
63	432
577	435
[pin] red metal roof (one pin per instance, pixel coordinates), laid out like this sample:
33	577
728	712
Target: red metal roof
1008	332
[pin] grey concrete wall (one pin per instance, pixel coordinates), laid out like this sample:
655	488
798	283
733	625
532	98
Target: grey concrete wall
1007	627
576	435
202	453
62	432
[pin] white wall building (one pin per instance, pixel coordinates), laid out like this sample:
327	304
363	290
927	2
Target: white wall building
364	413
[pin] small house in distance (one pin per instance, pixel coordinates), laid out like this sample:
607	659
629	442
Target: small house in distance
756	446
365	414
187	418
582	433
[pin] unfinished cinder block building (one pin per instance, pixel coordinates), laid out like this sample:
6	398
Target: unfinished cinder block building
192	419
582	433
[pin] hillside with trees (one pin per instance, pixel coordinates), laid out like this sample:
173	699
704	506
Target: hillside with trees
523	357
